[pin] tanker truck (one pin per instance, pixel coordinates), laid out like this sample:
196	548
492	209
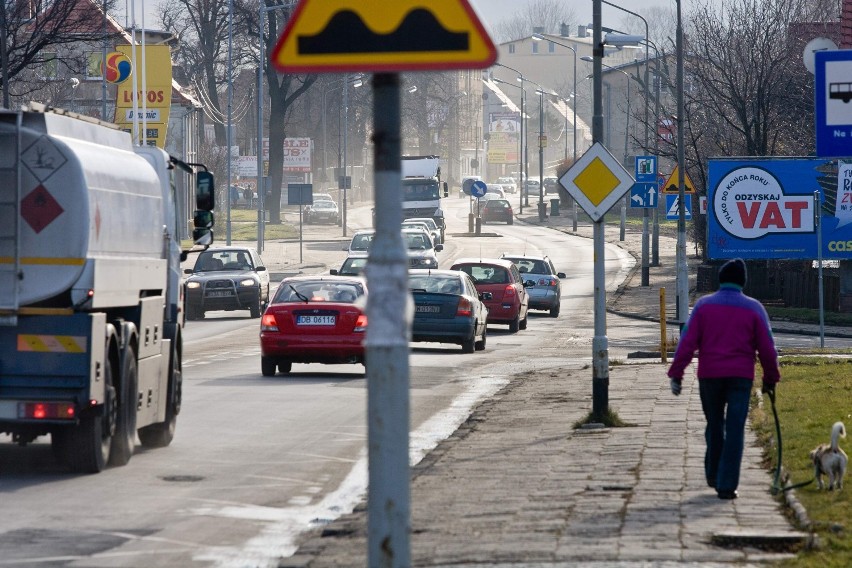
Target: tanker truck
90	286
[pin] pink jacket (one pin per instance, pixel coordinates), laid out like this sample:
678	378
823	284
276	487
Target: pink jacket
727	328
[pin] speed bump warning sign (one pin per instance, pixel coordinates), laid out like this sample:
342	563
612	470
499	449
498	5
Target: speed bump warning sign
372	35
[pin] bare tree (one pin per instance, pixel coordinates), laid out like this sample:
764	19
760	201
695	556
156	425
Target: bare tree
31	32
284	89
547	14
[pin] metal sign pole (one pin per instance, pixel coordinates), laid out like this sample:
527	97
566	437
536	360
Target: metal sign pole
818	227
600	349
388	306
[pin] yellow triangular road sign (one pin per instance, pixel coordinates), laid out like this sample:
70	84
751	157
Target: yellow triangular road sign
671	183
377	36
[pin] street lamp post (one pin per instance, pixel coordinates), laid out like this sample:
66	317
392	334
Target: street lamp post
539	37
542	213
626	137
682	276
523	169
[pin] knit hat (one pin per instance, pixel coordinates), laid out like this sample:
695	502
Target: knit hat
733	272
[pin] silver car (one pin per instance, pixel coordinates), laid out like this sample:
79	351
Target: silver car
545	294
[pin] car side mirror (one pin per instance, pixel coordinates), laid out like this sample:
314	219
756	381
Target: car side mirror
333	272
485	295
260	269
439	248
446	190
561	275
187	271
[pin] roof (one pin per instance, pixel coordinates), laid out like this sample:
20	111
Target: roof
485	260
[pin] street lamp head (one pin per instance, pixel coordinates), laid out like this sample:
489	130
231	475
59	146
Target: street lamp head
587	58
412	89
623	40
357	83
538	37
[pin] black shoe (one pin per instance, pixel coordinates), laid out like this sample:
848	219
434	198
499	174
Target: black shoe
727	494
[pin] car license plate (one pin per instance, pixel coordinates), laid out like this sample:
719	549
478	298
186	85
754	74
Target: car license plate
220	293
428	309
315	320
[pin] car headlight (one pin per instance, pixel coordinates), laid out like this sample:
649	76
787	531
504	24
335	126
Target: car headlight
193	285
248	282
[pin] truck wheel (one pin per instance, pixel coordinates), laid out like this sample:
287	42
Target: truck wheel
124	437
161	434
85	448
267	367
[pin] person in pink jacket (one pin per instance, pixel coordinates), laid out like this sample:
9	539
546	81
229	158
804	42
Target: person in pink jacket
727	328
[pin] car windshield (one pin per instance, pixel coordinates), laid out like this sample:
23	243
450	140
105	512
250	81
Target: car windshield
505	180
497	204
353	266
361	242
318	291
530	265
486	273
211	261
323	205
420	191
428	222
416	241
435	283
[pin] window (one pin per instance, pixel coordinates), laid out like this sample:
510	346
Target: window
49	65
551	47
511	48
94	70
535	47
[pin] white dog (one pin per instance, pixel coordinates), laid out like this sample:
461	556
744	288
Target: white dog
830	460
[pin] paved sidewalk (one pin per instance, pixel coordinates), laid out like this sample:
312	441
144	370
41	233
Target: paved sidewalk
518	485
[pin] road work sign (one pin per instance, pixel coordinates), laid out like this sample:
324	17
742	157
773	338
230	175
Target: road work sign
403	35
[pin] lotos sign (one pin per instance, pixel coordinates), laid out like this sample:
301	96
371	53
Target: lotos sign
764	208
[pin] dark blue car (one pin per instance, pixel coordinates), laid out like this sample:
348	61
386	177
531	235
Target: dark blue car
448	309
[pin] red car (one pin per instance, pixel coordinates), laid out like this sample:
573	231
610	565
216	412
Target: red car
509	300
497	210
314	319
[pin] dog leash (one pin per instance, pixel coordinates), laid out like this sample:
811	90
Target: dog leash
776	484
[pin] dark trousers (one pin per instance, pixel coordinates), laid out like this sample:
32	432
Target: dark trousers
725	404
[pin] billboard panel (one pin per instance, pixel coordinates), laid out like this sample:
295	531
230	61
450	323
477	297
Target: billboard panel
764	208
158	95
504	138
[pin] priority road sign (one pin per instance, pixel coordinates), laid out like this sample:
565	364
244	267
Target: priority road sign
596	181
672	210
326	36
643	195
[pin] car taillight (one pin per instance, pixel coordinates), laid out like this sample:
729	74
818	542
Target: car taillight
361	323
464	308
509	292
47	410
547	282
268	323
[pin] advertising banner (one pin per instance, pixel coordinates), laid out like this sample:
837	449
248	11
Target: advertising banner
764	208
158	95
504	133
297	154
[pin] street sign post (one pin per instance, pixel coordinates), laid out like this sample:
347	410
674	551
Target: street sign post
352	35
300	194
646	172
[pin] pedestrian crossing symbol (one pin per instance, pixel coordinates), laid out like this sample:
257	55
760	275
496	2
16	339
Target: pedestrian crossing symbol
672	209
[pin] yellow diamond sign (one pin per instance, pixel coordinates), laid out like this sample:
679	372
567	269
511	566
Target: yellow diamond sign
597	181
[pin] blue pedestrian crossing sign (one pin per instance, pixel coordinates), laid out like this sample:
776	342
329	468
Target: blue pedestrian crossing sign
644	195
672	210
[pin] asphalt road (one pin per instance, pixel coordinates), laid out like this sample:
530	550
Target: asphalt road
256	460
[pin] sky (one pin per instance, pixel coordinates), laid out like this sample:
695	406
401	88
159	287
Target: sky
491	12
